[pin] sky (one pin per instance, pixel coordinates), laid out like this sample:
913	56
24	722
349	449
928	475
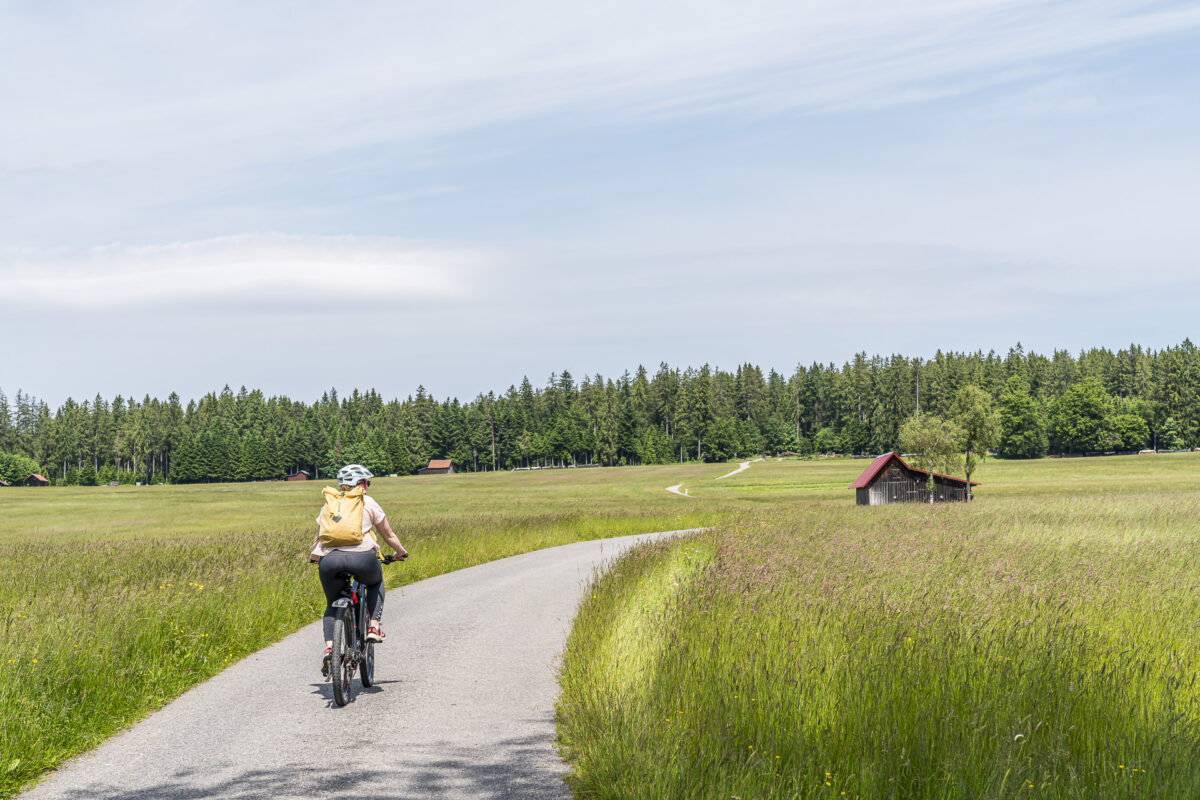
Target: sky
298	196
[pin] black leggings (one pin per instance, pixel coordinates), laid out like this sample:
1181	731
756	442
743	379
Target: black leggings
366	567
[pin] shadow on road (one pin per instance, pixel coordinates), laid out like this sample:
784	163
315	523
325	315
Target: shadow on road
517	770
325	690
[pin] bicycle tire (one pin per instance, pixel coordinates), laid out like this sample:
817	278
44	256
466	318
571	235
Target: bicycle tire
367	673
342	665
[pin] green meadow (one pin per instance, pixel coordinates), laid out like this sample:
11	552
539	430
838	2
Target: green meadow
1037	643
119	599
1040	642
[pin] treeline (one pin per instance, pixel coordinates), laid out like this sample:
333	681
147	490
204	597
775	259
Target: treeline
1098	400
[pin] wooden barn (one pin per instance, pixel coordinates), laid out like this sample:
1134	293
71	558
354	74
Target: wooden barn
889	480
301	475
37	480
438	466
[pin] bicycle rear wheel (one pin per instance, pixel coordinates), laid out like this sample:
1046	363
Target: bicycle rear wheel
342	665
367	673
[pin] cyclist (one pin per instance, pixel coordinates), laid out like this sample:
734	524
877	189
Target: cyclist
360	560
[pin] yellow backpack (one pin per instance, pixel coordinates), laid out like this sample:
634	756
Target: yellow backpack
342	516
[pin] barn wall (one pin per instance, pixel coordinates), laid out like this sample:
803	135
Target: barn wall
895	484
949	492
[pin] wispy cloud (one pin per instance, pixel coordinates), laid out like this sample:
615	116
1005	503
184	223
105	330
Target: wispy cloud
292	85
268	271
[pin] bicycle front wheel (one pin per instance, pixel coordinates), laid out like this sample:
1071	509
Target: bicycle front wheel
342	664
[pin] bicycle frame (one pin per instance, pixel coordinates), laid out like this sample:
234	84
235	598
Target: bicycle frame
352	598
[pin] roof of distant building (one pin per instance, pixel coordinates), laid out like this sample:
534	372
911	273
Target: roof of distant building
879	463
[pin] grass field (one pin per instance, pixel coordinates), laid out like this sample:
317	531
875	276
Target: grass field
1040	642
1036	643
116	600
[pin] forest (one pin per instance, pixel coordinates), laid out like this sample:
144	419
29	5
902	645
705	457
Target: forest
1096	401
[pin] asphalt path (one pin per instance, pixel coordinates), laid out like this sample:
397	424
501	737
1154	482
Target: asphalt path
463	707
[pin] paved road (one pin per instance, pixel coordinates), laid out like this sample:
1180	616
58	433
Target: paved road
464	707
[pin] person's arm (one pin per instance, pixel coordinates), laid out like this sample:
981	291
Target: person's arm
313	557
385	530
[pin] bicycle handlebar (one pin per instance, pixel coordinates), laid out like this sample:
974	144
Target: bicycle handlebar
388	559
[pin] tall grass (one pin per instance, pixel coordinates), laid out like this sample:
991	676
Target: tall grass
1036	643
118	600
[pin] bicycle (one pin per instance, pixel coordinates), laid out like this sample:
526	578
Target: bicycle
351	651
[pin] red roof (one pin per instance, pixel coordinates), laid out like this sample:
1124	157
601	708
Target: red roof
439	463
878	464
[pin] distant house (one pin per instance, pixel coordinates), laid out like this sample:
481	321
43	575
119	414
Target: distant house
37	480
302	475
889	480
438	466
3	482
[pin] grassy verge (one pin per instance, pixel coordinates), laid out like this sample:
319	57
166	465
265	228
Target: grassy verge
1042	642
118	600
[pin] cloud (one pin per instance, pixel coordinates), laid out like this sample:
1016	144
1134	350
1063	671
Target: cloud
270	270
296	85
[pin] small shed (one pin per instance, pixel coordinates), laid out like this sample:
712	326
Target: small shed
890	480
3	482
438	466
37	480
301	475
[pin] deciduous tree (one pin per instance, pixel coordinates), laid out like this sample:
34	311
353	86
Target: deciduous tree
972	411
935	444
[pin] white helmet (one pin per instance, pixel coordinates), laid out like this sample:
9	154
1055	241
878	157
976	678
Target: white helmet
353	475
